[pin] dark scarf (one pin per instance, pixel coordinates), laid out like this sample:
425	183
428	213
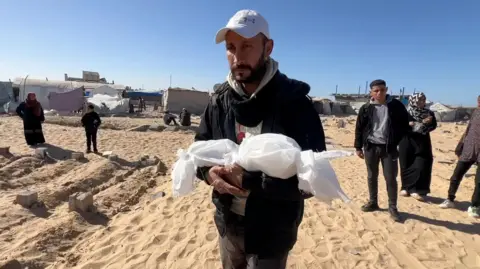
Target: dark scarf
250	112
35	106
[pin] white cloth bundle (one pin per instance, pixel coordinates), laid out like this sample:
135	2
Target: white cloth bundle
275	155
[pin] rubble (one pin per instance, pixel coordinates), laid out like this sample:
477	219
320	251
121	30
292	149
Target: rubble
4	150
77	155
82	201
27	198
41	153
341	123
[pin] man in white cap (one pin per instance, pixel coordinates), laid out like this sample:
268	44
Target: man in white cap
257	216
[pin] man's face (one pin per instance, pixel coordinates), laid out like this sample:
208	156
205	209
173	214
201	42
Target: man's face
379	93
247	57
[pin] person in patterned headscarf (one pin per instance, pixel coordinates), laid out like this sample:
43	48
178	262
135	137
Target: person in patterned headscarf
416	158
468	152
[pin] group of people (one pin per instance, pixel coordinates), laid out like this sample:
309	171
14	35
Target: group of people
32	115
257	216
185	118
387	133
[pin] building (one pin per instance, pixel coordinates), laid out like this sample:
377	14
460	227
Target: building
88	76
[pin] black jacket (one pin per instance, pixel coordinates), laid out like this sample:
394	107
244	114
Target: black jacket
274	208
397	124
91	121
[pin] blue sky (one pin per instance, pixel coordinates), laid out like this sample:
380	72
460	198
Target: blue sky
433	46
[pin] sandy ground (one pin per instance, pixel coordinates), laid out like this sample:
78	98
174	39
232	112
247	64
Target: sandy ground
137	228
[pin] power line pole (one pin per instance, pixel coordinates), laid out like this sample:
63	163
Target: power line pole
170	81
366	86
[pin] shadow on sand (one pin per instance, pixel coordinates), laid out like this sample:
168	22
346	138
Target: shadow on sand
473	228
40	212
462	206
95	218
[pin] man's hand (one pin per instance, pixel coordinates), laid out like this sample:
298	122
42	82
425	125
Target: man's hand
234	175
215	179
412	123
360	154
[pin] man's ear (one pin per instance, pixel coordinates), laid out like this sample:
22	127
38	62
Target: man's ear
268	47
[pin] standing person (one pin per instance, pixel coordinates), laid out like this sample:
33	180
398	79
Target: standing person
256	215
381	124
31	112
91	122
468	152
416	157
185	118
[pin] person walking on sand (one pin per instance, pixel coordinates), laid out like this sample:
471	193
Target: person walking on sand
416	157
468	152
91	122
31	112
381	123
256	215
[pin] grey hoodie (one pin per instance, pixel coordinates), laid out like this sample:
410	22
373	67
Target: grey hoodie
380	129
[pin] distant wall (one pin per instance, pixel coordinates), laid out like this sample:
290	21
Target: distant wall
194	101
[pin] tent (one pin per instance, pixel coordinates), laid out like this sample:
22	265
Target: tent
42	88
443	112
6	96
105	90
194	101
106	104
66	101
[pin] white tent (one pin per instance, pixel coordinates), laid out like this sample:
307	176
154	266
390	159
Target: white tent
109	104
105	90
443	113
42	88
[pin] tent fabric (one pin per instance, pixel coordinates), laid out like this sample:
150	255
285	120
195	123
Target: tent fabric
67	101
142	94
105	90
194	101
109	104
6	96
42	88
443	113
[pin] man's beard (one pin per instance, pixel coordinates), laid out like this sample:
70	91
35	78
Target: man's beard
256	73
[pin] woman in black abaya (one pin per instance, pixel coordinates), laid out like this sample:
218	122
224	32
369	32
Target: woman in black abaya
416	158
31	112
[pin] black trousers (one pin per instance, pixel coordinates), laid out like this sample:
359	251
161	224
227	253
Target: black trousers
374	155
460	170
91	139
232	250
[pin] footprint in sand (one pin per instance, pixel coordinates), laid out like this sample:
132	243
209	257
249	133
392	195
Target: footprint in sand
211	236
179	236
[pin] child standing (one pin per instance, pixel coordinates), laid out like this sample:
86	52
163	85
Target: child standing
381	124
91	121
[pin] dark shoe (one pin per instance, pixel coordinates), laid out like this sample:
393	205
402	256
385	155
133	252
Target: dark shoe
95	151
370	207
394	215
89	151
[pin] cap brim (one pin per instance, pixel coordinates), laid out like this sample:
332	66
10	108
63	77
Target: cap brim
241	30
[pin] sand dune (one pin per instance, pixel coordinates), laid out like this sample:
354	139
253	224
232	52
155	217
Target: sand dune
136	227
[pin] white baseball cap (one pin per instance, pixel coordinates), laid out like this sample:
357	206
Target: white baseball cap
247	23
